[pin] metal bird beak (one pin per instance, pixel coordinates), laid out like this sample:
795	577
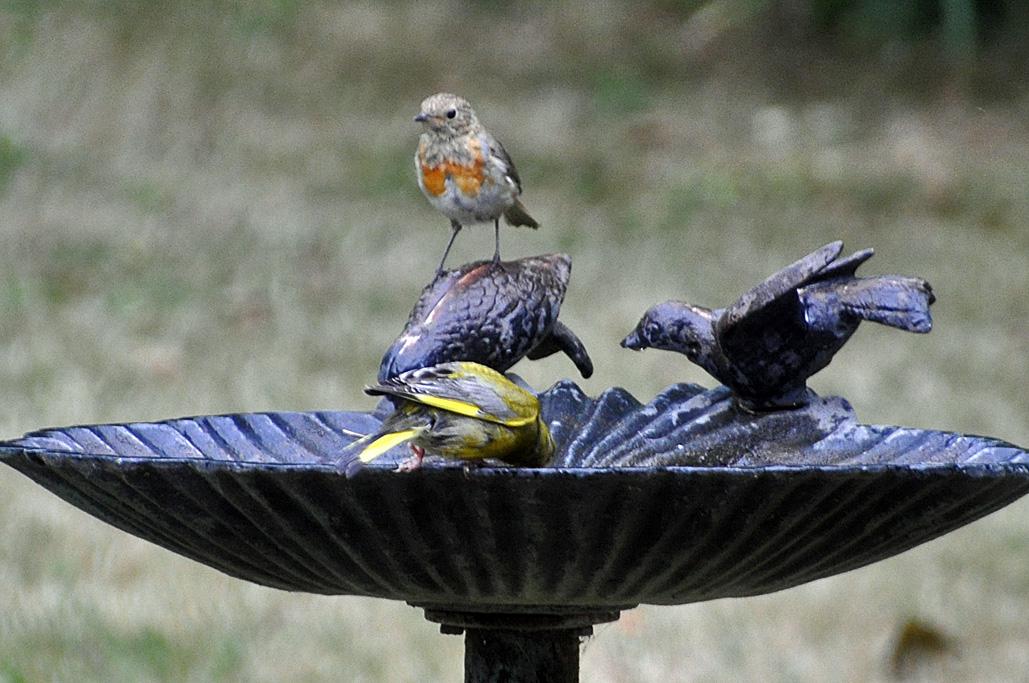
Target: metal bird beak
422	117
633	341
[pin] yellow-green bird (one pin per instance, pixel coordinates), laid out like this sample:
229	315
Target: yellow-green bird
461	411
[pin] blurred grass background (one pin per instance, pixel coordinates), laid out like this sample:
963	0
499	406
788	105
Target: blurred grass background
210	207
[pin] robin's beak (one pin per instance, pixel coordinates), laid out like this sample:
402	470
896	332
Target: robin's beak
422	117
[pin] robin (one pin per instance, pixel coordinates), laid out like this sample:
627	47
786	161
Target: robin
464	171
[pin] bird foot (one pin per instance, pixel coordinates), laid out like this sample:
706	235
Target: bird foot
414	462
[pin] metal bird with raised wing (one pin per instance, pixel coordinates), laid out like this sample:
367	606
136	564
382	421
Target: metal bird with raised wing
766	345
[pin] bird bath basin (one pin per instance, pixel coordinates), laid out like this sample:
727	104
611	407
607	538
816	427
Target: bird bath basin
683	499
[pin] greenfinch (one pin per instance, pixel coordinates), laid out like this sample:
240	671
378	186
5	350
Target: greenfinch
460	411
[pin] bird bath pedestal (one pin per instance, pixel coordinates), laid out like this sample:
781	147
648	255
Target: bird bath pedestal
520	647
686	498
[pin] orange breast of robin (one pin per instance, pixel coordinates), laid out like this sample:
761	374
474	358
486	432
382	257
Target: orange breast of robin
467	176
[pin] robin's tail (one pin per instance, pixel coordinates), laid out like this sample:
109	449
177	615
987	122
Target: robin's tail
517	215
894	300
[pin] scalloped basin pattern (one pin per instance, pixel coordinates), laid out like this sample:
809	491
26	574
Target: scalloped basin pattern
679	500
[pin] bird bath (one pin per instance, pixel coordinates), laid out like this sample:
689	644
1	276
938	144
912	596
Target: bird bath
686	498
683	499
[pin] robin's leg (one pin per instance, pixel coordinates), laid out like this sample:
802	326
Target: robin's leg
496	234
456	228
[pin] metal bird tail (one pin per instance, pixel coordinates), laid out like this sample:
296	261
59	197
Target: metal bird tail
893	300
561	338
517	215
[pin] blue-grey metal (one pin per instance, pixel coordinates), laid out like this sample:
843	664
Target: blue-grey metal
776	335
489	313
683	499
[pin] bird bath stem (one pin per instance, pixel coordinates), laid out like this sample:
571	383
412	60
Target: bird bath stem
520	648
494	655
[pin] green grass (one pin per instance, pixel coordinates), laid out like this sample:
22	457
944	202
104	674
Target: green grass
206	209
12	156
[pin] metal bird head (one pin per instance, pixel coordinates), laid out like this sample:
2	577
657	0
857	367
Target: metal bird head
447	115
675	326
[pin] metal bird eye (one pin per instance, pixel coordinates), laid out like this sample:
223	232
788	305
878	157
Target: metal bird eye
451	113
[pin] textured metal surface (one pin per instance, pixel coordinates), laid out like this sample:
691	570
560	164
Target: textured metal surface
776	335
688	425
489	313
258	497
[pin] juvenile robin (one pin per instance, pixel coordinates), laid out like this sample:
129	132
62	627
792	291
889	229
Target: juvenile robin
464	171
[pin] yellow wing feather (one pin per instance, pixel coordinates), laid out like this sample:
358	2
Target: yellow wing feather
466	409
384	443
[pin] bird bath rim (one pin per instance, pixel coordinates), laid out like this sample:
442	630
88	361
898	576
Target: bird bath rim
8	449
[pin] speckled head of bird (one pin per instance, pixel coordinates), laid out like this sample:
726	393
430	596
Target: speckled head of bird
674	326
447	114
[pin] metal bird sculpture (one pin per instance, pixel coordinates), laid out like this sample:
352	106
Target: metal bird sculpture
766	345
489	313
460	411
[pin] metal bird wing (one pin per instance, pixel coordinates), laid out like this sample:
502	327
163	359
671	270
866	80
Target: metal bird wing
844	267
487	313
763	307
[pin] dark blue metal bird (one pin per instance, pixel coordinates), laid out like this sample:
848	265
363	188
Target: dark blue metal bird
766	345
493	313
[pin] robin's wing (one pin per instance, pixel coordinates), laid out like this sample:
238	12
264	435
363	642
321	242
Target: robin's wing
418	156
762	305
500	157
464	388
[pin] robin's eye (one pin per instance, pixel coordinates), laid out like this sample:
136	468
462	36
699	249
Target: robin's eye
451	113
